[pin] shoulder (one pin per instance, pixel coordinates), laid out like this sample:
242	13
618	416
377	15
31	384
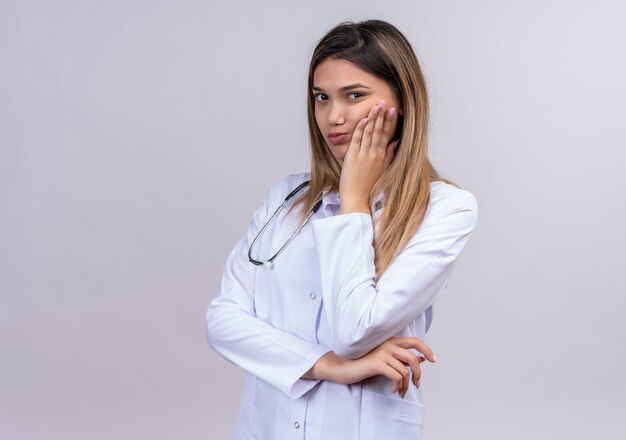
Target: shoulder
447	199
283	186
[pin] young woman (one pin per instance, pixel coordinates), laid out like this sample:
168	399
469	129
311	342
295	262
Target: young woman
325	304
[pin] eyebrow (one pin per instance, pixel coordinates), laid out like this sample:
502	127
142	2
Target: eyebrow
348	87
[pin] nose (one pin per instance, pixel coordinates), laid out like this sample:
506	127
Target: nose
336	114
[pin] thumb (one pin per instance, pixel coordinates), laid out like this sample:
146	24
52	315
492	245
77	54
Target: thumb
389	154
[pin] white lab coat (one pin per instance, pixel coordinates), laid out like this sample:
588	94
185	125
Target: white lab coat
319	296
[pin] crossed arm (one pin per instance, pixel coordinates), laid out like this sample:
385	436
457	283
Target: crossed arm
363	315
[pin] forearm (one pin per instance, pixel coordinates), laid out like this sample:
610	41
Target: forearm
271	354
364	311
326	368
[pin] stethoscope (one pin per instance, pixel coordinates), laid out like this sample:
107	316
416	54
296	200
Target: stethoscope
269	263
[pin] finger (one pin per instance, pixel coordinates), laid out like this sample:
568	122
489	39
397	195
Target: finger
366	139
416	343
381	138
390	153
409	359
393	375
413	342
391	115
355	142
377	129
404	371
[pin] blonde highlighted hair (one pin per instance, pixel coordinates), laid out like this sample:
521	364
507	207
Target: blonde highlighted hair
382	50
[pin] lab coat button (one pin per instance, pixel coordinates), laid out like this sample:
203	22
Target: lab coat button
312	295
296	425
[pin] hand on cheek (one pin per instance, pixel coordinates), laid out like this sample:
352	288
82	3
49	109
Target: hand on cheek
368	155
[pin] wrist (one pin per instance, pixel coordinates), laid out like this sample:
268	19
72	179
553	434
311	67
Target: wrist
348	207
326	367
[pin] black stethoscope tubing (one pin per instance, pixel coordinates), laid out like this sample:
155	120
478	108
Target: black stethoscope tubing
270	262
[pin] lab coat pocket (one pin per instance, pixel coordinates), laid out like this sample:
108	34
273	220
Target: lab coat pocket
390	417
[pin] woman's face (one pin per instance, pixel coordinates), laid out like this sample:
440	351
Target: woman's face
344	94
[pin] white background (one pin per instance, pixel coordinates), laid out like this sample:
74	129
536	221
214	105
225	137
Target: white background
137	137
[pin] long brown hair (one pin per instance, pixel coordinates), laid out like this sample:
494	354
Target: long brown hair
382	50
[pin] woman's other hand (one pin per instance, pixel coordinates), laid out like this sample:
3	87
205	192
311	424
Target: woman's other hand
368	156
391	359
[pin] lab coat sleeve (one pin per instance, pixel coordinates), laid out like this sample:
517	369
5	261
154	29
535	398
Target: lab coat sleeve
235	333
363	313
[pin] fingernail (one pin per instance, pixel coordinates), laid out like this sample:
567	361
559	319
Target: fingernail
418	383
435	358
364	121
392	111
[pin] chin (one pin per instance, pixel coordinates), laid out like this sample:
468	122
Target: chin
339	151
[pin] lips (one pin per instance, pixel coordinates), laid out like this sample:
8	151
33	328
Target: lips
337	138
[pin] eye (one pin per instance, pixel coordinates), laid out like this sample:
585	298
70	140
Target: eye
317	95
356	93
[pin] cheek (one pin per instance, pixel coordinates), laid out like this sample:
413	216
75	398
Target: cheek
356	114
316	114
363	110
